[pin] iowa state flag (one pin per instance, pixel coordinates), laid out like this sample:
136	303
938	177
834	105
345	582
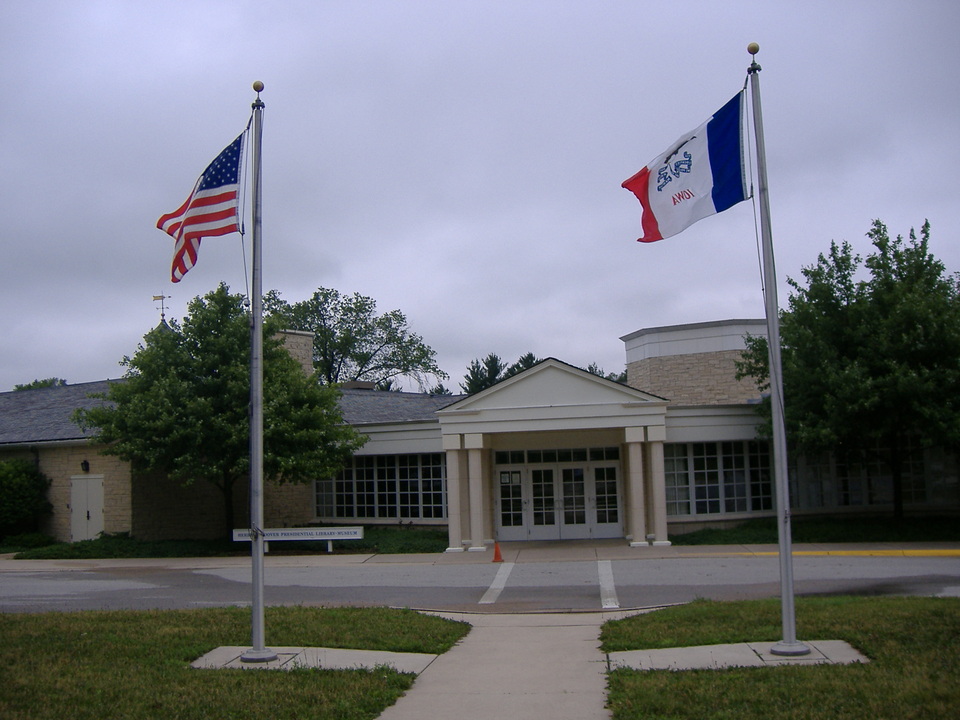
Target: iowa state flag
699	175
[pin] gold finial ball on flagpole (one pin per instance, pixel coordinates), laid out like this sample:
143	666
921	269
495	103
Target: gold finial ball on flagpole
258	86
753	48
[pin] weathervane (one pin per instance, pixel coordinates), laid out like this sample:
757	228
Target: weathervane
161	298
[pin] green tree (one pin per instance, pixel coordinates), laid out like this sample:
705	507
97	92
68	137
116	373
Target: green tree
487	372
46	382
482	374
182	408
874	361
23	496
352	342
620	377
525	362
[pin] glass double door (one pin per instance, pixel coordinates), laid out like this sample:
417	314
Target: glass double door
559	503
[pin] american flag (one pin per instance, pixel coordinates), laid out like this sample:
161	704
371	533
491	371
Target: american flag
209	210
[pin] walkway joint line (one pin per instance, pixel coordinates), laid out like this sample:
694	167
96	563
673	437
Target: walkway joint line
496	587
608	590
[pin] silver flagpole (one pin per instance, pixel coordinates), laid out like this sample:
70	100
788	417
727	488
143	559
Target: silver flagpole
789	645
257	653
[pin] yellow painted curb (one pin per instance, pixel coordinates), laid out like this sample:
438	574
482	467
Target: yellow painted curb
868	553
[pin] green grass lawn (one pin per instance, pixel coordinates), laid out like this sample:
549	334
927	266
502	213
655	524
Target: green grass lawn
391	539
763	531
388	539
913	645
135	665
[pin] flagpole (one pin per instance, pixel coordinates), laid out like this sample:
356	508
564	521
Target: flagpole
258	652
789	645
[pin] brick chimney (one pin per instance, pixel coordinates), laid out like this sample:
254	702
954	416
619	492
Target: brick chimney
299	343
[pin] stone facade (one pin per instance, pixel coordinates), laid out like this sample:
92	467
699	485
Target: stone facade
692	364
61	463
164	509
289	505
300	346
697	379
167	510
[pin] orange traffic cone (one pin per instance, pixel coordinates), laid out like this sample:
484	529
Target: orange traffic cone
497	557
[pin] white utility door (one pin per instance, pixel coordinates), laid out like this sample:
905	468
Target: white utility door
86	507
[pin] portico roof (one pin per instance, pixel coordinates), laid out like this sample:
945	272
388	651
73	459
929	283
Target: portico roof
553	396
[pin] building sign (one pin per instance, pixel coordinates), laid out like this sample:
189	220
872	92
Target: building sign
325	533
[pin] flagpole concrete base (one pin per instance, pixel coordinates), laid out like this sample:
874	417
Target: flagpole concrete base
258	656
790	649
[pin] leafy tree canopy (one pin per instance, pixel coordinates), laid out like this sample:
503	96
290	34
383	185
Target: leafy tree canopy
46	382
352	342
870	360
23	496
486	372
182	408
620	377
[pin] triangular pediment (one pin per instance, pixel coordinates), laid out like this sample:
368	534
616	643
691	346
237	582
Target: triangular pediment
552	383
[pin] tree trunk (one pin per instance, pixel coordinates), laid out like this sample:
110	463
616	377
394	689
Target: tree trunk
228	513
896	473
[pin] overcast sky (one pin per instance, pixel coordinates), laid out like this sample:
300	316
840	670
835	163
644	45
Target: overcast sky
459	161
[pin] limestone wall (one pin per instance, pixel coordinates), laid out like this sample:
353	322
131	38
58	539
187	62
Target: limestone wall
300	346
695	379
61	463
165	509
288	505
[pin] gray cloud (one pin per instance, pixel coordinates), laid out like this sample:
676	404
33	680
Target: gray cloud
459	161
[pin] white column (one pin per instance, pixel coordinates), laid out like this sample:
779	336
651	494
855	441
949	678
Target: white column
454	529
474	446
658	493
636	507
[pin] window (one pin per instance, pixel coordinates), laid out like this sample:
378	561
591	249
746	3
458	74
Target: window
407	487
606	489
717	478
511	499
543	497
859	478
706	478
761	479
677	481
734	477
572	455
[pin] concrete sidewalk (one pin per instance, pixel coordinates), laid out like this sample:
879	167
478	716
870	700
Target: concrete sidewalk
526	667
290	658
717	657
522	667
515	552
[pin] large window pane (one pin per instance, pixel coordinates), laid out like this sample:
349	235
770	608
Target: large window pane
386	487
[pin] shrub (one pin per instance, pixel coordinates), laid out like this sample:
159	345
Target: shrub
23	496
29	540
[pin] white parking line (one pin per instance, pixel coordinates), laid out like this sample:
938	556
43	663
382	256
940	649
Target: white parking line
496	587
608	591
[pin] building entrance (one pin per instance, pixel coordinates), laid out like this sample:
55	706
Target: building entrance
559	501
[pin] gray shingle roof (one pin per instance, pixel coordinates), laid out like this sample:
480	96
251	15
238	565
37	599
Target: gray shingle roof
43	414
374	406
